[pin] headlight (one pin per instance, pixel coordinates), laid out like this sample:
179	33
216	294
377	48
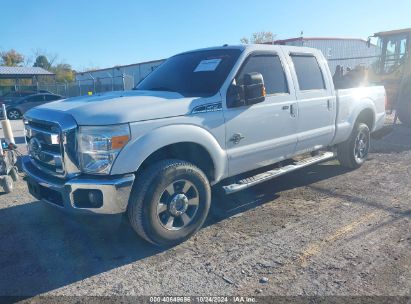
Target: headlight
98	147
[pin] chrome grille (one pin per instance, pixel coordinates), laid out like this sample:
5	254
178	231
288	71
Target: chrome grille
56	133
45	146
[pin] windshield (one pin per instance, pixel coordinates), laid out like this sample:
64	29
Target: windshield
199	73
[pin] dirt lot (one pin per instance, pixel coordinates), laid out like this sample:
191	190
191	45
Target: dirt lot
319	231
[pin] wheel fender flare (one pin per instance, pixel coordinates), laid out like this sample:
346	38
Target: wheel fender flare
345	129
140	148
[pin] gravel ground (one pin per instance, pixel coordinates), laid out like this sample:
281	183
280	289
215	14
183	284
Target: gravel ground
319	231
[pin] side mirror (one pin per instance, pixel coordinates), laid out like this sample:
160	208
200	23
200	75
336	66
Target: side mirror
254	89
235	96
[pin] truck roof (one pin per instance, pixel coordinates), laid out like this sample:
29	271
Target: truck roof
393	32
256	47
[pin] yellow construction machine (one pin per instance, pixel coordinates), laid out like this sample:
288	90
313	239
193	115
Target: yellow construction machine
393	70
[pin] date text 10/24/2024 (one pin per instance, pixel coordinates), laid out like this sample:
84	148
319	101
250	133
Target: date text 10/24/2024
202	299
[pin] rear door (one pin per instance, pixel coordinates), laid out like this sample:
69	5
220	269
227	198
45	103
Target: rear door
316	100
261	134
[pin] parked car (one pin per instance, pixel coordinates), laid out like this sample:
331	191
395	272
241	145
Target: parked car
17	108
203	118
15	95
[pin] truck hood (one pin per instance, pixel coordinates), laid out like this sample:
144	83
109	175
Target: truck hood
123	106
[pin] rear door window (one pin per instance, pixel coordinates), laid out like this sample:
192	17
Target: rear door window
51	97
35	98
309	74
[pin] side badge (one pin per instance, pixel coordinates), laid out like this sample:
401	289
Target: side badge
236	138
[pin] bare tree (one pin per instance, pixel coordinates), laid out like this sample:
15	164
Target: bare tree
259	37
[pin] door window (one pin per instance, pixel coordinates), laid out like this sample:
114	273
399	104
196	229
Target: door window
36	98
309	74
272	70
51	97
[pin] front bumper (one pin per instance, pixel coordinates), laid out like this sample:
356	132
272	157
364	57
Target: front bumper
114	191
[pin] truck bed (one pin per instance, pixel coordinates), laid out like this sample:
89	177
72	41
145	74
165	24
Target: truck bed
348	108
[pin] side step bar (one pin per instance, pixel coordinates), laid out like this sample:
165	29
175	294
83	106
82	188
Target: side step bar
265	176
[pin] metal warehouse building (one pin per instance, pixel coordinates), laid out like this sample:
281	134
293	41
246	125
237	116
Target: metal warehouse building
347	52
116	78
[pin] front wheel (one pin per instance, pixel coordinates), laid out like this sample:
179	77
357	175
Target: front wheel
169	202
13	114
353	152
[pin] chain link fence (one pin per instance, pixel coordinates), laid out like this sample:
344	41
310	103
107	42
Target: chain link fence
76	88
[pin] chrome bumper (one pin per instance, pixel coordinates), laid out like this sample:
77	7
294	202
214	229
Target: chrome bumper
115	190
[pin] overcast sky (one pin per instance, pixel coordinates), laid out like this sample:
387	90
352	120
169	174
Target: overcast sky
106	33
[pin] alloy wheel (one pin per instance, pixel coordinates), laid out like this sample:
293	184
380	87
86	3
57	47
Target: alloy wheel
178	205
14	114
361	147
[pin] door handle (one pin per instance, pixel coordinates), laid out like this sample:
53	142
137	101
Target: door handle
285	108
329	105
293	111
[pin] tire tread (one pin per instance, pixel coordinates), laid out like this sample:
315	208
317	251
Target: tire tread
345	150
138	194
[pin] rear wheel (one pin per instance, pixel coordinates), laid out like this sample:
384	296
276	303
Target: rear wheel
169	202
13	114
353	152
403	109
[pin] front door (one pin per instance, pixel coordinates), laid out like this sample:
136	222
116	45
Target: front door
264	133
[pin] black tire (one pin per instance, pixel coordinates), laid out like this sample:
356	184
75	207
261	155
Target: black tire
13	114
217	209
7	184
403	109
353	152
14	173
151	192
404	113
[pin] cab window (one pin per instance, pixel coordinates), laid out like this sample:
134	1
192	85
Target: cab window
395	52
309	74
272	70
35	98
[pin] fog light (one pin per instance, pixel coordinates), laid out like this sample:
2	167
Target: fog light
95	197
88	198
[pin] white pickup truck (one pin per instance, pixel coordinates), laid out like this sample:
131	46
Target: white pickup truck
209	117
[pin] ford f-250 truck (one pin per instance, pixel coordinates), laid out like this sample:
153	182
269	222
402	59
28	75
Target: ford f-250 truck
204	118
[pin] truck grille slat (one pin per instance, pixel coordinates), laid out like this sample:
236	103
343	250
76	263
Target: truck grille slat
45	147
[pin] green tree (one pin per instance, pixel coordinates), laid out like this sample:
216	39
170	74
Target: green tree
11	58
63	72
259	37
42	62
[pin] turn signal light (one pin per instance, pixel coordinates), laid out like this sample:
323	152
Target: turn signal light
118	142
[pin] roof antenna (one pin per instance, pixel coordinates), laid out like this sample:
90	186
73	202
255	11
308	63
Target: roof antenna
225	45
